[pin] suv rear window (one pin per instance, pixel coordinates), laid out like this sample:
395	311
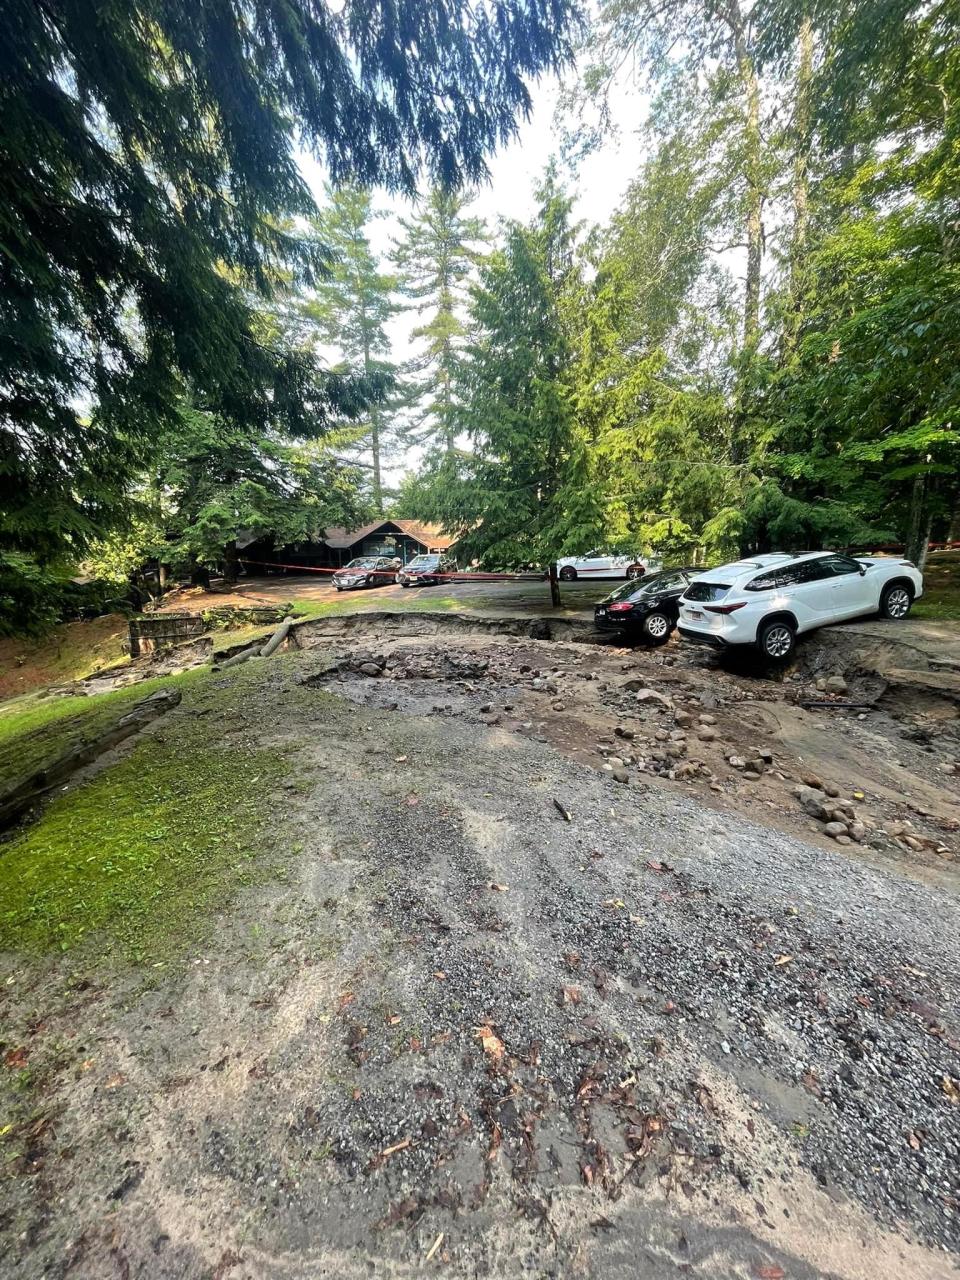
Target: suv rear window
706	591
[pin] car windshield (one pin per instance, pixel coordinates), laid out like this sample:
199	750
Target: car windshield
706	590
363	562
424	562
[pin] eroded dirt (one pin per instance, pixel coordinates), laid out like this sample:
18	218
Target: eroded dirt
511	1016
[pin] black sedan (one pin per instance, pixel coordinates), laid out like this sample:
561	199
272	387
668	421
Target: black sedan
647	609
426	571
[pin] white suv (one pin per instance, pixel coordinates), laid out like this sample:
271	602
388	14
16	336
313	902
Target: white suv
769	600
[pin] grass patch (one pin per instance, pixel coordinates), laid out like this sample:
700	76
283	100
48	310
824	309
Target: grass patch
941	588
134	860
35	731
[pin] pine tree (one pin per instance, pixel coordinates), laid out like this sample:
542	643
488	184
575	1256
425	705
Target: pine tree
515	499
147	166
351	308
436	258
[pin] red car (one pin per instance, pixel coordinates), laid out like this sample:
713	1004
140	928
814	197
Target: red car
366	571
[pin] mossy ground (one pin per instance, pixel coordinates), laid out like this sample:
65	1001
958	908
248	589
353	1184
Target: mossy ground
70	652
941	588
133	862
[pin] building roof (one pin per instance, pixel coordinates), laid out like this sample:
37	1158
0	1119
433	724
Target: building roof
429	534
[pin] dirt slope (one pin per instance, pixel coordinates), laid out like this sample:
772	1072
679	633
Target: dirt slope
657	1039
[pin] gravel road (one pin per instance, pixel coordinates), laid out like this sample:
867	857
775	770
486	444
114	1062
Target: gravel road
478	1036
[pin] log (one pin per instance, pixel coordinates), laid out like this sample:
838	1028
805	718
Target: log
243	656
15	802
277	639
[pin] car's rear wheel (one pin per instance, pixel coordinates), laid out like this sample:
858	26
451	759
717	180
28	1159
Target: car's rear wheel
568	573
776	641
405	585
656	628
896	601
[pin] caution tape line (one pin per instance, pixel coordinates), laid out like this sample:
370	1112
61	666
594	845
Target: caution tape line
383	573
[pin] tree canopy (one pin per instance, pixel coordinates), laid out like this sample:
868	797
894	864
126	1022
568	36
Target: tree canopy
148	173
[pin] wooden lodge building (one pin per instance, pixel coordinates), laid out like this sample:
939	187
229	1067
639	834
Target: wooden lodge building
336	547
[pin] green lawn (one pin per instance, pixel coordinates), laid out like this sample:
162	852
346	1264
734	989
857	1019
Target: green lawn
133	860
941	588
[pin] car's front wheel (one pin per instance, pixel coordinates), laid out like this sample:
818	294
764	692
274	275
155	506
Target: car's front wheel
656	628
895	601
568	573
776	641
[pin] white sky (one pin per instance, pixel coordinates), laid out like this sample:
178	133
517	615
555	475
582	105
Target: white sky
515	171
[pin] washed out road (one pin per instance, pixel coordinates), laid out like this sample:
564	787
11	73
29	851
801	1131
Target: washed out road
506	1016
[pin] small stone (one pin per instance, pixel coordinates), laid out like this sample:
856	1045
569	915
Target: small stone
706	733
835	684
486	708
559	706
621	775
751	775
623	732
615	762
724	1046
370	668
683	719
835	829
831	789
736	762
707	719
811	780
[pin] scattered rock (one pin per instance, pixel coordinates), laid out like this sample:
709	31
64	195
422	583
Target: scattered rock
706	733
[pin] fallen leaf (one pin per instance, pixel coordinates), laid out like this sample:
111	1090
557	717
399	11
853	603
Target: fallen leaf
499	888
115	1081
572	995
440	976
346	999
15	1059
616	904
434	1247
399	759
393	1019
564	814
782	960
669	1007
492	1044
770	1273
951	1088
413	799
913	1140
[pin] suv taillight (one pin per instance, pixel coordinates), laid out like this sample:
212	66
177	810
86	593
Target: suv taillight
724	608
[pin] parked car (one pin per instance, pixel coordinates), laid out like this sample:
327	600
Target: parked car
769	600
366	571
646	610
599	564
426	570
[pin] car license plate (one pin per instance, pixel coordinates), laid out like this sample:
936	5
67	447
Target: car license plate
695	613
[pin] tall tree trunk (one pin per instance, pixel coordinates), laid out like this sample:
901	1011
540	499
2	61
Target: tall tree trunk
231	565
800	194
375	451
953	528
554	586
374	434
753	219
919	521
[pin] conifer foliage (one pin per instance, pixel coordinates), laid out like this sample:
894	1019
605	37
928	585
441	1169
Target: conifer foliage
147	166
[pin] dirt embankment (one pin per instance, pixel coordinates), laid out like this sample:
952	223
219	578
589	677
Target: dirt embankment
552	986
